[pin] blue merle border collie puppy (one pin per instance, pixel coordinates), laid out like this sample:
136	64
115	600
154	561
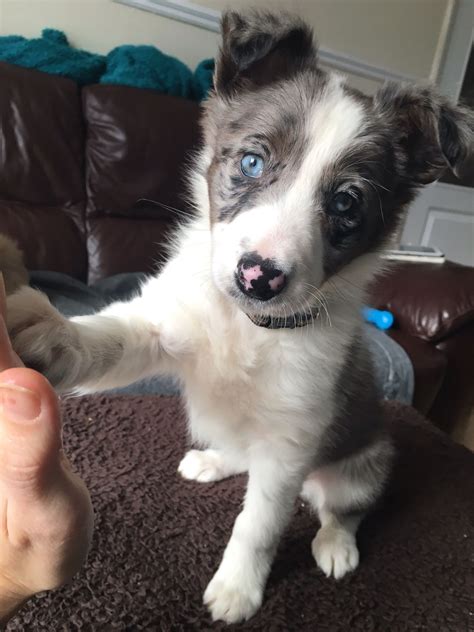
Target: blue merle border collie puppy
300	182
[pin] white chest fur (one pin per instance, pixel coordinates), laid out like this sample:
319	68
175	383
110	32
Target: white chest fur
242	382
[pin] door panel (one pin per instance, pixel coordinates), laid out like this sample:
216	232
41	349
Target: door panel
443	216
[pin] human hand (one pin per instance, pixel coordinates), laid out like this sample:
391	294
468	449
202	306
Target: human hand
46	515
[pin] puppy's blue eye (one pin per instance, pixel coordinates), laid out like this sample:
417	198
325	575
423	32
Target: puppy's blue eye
252	165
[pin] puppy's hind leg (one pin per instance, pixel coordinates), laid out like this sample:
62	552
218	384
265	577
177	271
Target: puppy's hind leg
335	548
341	493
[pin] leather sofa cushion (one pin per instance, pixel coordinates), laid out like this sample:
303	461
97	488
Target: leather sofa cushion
42	193
48	237
430	301
122	244
138	144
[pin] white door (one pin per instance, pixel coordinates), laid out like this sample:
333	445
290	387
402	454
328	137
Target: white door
443	216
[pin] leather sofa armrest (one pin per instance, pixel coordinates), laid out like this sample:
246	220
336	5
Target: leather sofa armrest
429	301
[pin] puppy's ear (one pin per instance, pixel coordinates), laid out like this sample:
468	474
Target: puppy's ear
433	133
261	48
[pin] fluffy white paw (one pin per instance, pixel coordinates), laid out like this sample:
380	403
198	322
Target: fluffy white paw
335	551
42	337
204	466
232	597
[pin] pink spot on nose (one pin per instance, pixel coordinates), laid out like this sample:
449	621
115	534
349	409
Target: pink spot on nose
277	282
247	275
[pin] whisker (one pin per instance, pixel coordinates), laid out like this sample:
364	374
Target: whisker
337	290
321	306
173	209
375	186
358	287
321	299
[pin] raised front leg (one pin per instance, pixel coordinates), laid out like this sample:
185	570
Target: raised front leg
88	353
236	590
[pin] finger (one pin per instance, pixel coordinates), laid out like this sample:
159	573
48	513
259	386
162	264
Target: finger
30	432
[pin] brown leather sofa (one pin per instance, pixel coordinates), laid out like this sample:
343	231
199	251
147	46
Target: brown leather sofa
74	166
433	305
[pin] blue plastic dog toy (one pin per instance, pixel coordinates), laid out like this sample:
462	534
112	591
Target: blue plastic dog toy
379	318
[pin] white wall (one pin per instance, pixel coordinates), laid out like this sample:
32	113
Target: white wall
100	25
401	35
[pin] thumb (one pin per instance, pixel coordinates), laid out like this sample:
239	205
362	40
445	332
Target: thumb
30	432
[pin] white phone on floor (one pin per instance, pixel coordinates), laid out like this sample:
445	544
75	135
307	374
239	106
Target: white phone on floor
410	252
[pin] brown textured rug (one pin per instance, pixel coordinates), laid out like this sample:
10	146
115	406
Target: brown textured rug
158	539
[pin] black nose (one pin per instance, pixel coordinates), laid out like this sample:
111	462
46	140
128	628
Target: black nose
258	277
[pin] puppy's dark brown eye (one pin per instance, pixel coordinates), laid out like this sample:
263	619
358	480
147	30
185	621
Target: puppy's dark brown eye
342	203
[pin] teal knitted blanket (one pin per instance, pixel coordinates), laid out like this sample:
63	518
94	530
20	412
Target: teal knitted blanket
137	66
